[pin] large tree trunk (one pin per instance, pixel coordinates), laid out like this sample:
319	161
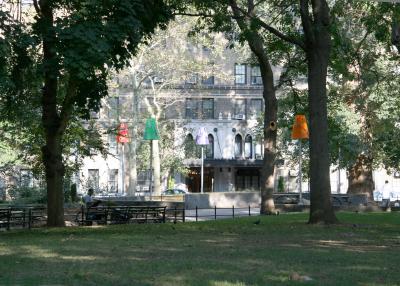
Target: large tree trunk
360	177
52	151
132	163
156	168
255	41
270	126
54	169
318	44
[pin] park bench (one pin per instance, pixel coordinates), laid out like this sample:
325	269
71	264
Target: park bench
146	214
121	215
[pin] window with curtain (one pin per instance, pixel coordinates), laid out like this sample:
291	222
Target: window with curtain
113	180
239	107
248	147
255	75
256	106
258	151
210	147
238	146
93	179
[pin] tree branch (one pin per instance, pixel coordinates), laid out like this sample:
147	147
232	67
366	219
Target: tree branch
306	20
267	27
36	5
67	105
205	15
279	34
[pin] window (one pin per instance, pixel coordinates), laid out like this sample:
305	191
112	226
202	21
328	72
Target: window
93	179
210	147
255	75
191	79
113	180
247	179
113	106
255	107
191	108
26	178
208	81
240	74
112	144
248	147
199	108
238	147
258	151
239	107
208	108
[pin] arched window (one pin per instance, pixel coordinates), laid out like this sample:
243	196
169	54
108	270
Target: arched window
210	147
238	146
248	147
258	151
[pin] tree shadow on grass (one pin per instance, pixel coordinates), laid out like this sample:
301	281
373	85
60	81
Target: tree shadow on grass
210	254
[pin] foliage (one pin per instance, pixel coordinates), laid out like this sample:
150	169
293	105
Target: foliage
153	84
363	100
281	185
73	193
80	41
28	195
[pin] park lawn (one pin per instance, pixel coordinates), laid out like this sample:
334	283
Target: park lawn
281	250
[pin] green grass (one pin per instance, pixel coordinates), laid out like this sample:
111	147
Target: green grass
364	250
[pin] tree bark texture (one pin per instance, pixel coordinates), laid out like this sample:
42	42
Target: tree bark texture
318	45
360	177
132	156
255	41
52	124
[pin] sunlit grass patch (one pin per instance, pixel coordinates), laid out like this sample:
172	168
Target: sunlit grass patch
280	250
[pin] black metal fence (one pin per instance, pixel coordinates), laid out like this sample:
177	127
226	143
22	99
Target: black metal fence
28	217
22	217
196	214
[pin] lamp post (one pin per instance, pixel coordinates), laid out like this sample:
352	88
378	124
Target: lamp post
123	138
202	140
300	131
151	133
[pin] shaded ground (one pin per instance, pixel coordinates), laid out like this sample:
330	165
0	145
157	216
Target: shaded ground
281	250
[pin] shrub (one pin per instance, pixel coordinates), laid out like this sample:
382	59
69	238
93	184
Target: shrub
73	193
281	185
28	195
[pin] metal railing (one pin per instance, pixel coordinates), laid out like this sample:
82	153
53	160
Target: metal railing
21	217
28	217
196	214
